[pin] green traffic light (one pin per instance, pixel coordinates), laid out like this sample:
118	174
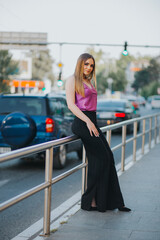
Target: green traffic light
59	83
125	52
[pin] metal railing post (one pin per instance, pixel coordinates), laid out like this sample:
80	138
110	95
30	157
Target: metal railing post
135	141
47	196
159	128
150	132
84	171
108	136
123	147
155	131
143	136
48	147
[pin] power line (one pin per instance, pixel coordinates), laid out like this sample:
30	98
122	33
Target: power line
103	44
74	43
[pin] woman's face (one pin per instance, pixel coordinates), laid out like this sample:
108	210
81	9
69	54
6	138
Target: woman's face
88	66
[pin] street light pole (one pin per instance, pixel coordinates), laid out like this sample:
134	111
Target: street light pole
110	81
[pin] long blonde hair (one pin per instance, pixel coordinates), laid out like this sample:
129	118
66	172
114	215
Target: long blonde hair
78	74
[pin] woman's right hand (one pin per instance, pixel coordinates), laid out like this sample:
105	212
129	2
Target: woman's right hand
92	128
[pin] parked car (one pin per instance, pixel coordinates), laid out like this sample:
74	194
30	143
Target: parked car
141	100
155	101
30	120
110	111
134	101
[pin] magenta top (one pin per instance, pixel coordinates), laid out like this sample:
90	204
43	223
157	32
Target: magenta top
89	102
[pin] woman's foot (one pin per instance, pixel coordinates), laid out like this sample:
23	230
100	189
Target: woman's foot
93	204
93	208
124	209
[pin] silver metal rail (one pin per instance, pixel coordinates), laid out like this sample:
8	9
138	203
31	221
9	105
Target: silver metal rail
48	147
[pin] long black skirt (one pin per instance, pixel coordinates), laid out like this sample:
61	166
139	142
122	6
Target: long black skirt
102	180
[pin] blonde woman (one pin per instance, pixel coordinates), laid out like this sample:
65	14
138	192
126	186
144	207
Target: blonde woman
103	190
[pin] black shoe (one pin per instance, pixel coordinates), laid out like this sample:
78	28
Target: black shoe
93	208
124	209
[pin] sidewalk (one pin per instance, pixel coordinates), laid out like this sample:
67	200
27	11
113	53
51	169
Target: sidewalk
140	186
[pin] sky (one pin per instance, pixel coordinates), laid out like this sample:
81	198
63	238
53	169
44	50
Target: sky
86	21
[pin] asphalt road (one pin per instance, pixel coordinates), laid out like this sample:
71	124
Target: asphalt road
18	176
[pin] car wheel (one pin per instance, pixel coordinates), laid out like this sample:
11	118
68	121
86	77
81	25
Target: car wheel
60	159
18	129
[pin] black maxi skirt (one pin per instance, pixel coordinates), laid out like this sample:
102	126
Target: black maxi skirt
102	181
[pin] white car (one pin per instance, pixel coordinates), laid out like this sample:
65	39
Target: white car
155	102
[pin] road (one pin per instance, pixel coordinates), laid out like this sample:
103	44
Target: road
18	176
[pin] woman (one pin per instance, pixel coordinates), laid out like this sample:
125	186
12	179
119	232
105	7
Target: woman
103	191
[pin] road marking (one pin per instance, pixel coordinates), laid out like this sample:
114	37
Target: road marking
3	182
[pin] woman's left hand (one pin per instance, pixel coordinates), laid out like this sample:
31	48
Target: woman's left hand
92	128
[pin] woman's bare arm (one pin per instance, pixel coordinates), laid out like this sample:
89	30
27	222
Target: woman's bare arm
70	94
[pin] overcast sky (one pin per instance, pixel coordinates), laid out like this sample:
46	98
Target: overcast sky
90	21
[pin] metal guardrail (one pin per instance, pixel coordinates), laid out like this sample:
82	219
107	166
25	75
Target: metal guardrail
48	147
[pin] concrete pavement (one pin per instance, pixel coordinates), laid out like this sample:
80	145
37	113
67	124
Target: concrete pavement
140	186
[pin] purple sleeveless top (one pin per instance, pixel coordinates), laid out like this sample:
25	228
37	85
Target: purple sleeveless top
89	102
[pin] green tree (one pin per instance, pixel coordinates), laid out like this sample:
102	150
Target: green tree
119	80
154	70
123	61
42	65
101	82
150	89
7	67
141	79
147	76
119	75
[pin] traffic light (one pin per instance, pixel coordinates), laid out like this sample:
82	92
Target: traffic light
60	82
60	65
125	52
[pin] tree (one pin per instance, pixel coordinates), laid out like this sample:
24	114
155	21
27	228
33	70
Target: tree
150	89
123	61
119	80
7	67
141	79
101	82
147	76
42	65
154	70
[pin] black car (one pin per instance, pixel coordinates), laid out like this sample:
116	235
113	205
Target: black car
27	120
110	111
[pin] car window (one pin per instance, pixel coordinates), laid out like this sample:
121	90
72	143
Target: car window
110	105
55	107
66	111
29	105
156	98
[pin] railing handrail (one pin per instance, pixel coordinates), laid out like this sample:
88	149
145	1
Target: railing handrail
48	147
55	143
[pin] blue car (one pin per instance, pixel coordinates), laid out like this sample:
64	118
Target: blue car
33	119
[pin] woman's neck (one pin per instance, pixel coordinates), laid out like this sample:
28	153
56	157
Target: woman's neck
87	82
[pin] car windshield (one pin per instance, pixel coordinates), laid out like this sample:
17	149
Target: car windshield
111	105
156	98
29	105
